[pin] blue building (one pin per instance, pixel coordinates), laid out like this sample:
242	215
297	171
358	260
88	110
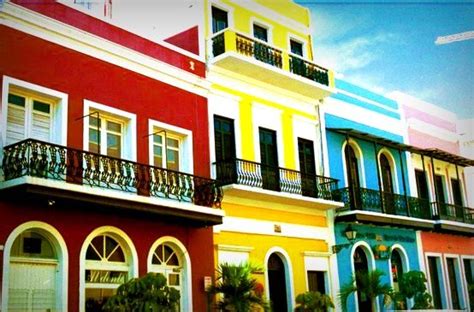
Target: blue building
376	229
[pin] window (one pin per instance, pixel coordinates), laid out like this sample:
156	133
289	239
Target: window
105	135
317	281
453	282
224	138
296	47
457	192
166	261
33	276
29	116
260	32
106	268
421	185
440	195
219	20
269	159
170	159
307	167
469	275
433	267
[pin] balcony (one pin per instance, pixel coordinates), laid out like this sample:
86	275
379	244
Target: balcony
140	186
258	60
383	207
245	178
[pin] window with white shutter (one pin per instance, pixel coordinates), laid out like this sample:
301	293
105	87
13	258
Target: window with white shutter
28	116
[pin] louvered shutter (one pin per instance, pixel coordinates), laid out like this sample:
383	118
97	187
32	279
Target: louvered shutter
15	124
41	121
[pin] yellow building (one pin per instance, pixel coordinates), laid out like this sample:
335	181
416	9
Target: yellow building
266	145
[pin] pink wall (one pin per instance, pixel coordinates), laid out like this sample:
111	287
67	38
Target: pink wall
429	118
424	140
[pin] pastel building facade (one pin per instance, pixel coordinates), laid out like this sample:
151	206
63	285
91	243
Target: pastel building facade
441	176
376	228
105	159
266	146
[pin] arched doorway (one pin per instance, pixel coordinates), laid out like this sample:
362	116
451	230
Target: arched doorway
353	177
107	266
396	267
277	283
361	266
34	273
387	183
168	256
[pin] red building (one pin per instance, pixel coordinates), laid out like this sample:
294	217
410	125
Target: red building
105	164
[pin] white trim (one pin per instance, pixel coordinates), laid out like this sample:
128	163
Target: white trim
224	247
464	281
333	277
379	214
370	263
360	161
30	22
458	279
256	226
259	22
59	112
129	135
290	292
393	168
274	16
403	256
420	252
367	100
63	261
299	39
432	130
129	250
186	295
441	276
123	26
186	160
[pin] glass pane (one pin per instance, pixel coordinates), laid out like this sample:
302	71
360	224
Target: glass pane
173	260
110	245
117	255
34	245
96	298
172	160
91	254
260	32
173	279
16	100
158	161
41	107
157	139
296	47
172	142
157	151
93	121
113	145
93	135
113	126
168	251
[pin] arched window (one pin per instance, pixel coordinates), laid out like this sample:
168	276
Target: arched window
34	282
169	257
387	177
361	266
396	267
106	267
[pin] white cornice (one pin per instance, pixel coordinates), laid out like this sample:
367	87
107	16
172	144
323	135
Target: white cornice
49	29
431	130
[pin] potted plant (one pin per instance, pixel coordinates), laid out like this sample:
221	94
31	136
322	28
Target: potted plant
237	290
147	293
313	301
412	284
370	286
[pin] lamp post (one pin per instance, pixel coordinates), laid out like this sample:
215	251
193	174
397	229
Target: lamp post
350	234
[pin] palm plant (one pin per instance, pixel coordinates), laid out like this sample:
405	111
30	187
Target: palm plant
238	291
313	301
412	284
369	285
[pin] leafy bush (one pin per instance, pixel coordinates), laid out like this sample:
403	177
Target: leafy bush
148	293
313	301
412	285
238	291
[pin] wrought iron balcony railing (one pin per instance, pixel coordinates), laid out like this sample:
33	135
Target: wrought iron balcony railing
383	202
230	41
50	161
451	212
238	171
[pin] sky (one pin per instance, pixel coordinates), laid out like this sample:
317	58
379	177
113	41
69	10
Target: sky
390	46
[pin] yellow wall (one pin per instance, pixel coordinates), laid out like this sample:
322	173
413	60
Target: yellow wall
262	244
243	18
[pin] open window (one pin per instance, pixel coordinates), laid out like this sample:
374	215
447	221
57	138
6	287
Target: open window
219	19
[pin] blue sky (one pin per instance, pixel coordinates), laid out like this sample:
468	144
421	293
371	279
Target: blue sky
388	46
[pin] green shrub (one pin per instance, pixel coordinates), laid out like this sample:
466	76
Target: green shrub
313	301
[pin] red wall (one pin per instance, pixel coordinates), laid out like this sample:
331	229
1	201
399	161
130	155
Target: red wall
142	230
188	40
82	77
447	243
70	16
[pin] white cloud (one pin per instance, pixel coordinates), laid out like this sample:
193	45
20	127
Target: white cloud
352	54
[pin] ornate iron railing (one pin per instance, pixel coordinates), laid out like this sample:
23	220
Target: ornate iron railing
444	211
258	50
384	202
50	161
254	174
218	44
301	67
